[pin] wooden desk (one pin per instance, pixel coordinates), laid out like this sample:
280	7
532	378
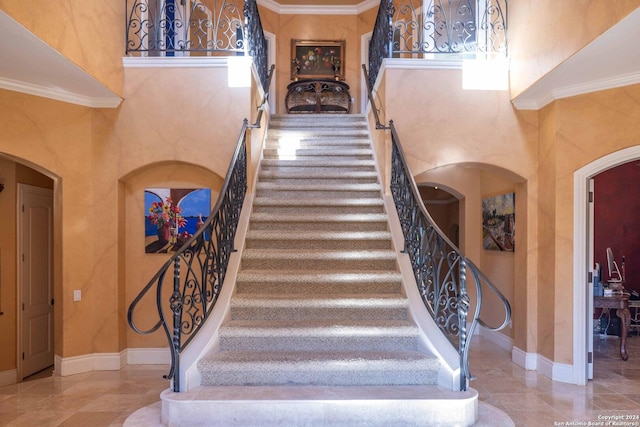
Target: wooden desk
619	303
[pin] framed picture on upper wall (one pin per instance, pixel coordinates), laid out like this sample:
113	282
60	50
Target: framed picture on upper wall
499	223
313	59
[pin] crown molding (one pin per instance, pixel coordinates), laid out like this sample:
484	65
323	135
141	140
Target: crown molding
60	95
176	61
544	98
286	9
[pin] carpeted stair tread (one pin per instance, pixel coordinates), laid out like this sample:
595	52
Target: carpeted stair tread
270	201
317	359
319	307
320	162
302	185
269	174
311	217
318	235
312	282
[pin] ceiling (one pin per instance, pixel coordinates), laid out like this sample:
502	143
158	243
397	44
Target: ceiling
29	65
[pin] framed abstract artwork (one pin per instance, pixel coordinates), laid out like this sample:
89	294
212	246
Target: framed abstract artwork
172	215
499	223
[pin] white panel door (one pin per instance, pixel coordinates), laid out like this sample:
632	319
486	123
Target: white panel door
36	278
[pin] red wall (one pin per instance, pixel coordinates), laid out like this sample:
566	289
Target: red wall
617	220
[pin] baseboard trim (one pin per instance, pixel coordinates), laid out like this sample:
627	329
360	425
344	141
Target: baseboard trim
501	340
89	362
560	372
148	356
8	377
528	361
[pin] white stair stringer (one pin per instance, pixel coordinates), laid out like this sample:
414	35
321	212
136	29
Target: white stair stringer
319	329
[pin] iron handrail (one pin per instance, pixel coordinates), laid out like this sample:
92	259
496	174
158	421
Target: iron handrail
212	258
439	267
205	257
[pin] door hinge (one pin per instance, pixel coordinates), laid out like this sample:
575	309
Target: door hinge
51	301
22	208
590	357
590	196
22	356
590	277
22	306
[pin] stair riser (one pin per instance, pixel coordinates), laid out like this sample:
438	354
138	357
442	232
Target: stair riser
318	264
293	209
307	313
287	166
327	178
317	133
306	156
320	144
318	244
328	377
316	288
334	180
329	152
320	194
318	226
389	342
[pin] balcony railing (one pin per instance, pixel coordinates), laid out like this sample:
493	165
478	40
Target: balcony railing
424	28
196	28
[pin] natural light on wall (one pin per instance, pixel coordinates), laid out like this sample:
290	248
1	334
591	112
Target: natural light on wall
239	71
485	74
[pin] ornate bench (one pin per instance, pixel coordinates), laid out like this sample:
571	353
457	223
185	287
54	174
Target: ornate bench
318	96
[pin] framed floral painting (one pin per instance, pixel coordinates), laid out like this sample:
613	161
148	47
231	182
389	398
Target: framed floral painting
317	59
172	215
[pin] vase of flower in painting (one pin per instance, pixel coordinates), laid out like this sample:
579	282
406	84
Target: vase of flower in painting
164	233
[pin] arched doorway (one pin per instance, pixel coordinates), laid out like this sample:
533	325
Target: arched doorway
29	267
582	256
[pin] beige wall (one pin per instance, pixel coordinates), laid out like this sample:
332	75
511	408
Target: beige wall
573	132
171	130
318	27
83	31
545	33
475	143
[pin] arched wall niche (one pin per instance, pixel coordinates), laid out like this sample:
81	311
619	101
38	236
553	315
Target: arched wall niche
470	183
137	268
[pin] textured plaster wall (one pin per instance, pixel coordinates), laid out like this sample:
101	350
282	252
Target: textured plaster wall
83	31
171	120
579	130
450	136
545	33
318	27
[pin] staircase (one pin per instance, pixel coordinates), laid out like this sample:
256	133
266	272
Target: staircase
318	331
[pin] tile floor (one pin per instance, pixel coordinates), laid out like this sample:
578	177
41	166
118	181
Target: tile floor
107	398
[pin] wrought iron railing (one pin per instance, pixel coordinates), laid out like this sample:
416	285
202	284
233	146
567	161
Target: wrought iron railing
440	269
418	28
196	28
197	269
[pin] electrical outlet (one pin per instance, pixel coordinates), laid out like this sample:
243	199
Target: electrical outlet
77	295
